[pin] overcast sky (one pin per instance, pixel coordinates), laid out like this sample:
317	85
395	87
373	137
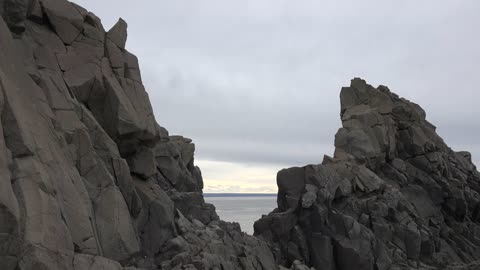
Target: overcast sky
255	83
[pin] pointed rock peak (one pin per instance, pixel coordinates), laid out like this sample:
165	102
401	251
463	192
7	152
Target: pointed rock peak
378	125
372	119
360	93
118	33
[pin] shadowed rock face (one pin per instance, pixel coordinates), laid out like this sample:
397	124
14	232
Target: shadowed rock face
394	196
88	179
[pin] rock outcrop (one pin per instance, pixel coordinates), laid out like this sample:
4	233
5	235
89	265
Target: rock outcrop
88	179
394	196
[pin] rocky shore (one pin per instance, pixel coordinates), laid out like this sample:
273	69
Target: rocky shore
89	179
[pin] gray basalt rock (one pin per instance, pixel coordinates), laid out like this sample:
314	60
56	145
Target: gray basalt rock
66	20
156	220
115	227
394	196
89	262
292	184
15	13
174	159
143	163
192	205
118	34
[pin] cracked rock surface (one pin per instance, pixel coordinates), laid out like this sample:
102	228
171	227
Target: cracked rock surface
394	196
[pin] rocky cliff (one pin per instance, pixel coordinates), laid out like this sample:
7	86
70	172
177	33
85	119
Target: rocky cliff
88	179
394	196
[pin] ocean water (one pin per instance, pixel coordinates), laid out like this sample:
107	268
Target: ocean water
243	209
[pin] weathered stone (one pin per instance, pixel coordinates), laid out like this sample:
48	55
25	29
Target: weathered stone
115	228
143	163
119	114
35	13
132	68
322	252
118	33
89	262
10	213
156	221
308	199
19	141
291	184
114	54
82	80
65	19
344	188
126	113
421	201
125	183
44	226
141	103
14	13
176	172
193	206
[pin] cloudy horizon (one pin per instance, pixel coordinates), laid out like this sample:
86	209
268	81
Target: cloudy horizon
255	83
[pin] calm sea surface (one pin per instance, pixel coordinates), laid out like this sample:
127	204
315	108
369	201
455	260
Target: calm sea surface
243	209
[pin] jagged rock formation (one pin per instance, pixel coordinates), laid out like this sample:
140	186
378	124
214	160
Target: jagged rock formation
394	196
88	179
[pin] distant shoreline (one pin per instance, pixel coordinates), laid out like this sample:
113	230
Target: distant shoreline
239	194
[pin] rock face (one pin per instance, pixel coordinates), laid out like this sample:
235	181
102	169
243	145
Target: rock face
88	179
394	196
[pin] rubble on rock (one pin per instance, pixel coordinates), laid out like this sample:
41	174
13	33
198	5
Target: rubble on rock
394	196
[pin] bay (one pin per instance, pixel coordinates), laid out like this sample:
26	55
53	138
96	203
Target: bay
242	208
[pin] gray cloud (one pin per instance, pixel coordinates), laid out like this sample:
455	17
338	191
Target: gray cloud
258	81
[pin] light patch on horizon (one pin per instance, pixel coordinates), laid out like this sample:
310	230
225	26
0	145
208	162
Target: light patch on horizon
228	177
